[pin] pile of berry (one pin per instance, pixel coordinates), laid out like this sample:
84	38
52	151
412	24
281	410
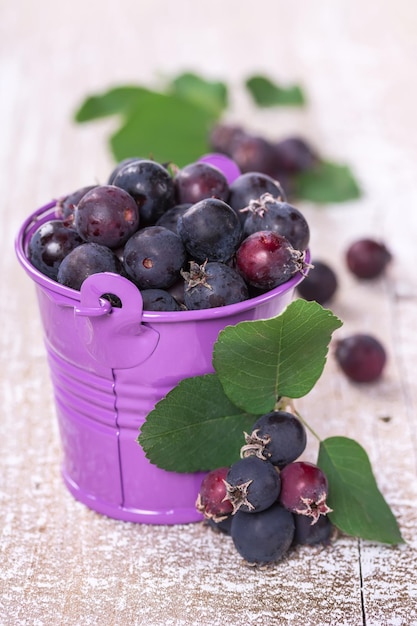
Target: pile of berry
282	159
189	238
267	501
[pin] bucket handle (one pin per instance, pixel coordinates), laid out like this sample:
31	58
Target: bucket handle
114	336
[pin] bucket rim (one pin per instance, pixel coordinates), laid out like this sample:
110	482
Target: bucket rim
48	212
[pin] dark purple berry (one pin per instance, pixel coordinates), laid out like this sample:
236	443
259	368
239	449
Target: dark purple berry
84	260
106	215
295	155
177	291
153	257
361	357
253	153
223	135
210	230
263	537
367	258
266	260
251	186
252	485
50	244
159	300
304	489
320	284
170	218
309	533
223	526
65	207
151	186
278	437
119	166
213	285
268	213
211	500
199	180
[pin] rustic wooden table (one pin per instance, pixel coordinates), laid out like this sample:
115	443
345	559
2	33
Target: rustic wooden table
64	564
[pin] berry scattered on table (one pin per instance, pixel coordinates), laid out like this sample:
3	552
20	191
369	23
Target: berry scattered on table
367	258
320	284
362	357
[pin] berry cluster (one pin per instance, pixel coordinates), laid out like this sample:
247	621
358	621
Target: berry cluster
267	501
189	238
281	159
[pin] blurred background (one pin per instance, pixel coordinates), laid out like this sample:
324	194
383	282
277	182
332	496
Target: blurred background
352	59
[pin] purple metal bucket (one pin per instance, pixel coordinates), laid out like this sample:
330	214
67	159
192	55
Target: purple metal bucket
109	367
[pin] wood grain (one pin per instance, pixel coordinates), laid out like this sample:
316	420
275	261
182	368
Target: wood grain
60	562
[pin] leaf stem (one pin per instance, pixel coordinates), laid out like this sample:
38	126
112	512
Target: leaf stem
289	402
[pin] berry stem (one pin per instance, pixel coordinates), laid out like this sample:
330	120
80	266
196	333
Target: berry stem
289	402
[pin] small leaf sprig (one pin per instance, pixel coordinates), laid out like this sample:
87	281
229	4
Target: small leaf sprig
260	366
173	124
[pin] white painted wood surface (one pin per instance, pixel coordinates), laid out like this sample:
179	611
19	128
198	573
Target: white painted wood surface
63	564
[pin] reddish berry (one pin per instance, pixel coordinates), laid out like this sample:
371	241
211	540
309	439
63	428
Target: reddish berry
211	500
304	489
367	258
361	357
266	259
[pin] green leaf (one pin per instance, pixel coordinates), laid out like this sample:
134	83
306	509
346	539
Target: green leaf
164	127
325	183
359	508
119	100
210	95
258	361
268	94
195	427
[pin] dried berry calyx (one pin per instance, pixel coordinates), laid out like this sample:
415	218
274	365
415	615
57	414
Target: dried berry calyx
278	436
196	276
252	485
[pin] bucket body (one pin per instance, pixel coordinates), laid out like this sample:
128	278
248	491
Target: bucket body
109	367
